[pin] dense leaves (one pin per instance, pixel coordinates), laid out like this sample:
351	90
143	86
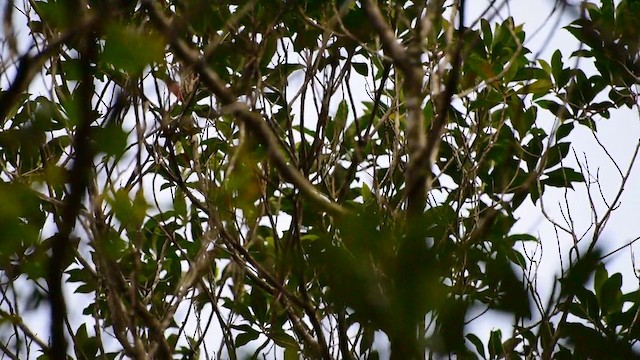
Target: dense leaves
265	180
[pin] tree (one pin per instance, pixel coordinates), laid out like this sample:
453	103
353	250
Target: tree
249	178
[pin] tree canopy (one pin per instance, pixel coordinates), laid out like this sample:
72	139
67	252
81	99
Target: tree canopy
303	179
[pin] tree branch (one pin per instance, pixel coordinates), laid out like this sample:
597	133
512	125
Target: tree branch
253	121
409	62
29	65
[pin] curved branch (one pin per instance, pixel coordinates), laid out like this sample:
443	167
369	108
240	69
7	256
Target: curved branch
408	60
253	121
17	320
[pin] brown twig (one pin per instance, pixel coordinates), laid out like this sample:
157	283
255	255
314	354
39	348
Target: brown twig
253	121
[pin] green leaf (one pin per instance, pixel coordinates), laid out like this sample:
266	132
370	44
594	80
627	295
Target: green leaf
131	213
86	347
585	53
20	220
451	325
279	75
556	65
283	339
556	154
522	120
54	13
546	67
480	67
529	73
579	272
180	204
259	304
291	354
246	337
503	277
131	49
111	140
587	341
588	308
366	193
538	88
564	130
336	125
361	68
610	294
517	258
495	344
477	343
71	69
601	276
486	32
523	237
562	177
